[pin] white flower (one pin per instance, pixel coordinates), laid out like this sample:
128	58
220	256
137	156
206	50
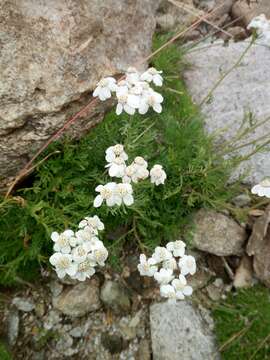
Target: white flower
187	265
63	264
170	264
107	193
126	101
117	168
84	235
163	276
123	194
151	99
152	75
146	267
161	254
64	241
158	175
93	222
114	152
104	88
177	248
262	189
116	157
136	171
99	254
80	252
85	270
168	291
132	75
181	287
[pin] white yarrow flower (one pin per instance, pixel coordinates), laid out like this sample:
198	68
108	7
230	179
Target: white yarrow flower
107	194
85	270
104	88
64	241
93	222
177	248
146	267
168	291
170	264
157	175
262	189
99	254
181	287
63	264
161	254
123	194
151	99
152	75
164	276
187	265
80	252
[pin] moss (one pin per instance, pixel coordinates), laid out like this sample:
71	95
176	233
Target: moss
243	325
62	190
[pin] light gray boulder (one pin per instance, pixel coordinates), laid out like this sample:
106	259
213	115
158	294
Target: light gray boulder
243	94
53	53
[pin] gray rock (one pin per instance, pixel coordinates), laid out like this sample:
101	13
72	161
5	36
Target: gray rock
179	331
53	53
144	350
115	296
244	93
56	288
79	300
13	322
23	304
172	15
217	234
51	320
112	342
241	200
245	11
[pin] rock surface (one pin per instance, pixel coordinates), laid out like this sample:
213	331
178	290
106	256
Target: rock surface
52	55
174	14
217	234
115	296
245	11
243	94
78	300
178	331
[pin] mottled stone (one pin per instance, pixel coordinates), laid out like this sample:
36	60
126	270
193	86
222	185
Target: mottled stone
115	296
179	331
79	300
53	53
243	94
245	11
13	322
23	304
217	234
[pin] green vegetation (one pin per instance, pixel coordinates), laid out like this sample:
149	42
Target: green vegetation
243	325
63	187
4	354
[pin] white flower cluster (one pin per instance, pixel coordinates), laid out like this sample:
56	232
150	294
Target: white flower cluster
168	271
262	189
77	254
133	93
262	26
122	193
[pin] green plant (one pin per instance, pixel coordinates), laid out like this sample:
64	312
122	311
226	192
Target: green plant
62	190
243	325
